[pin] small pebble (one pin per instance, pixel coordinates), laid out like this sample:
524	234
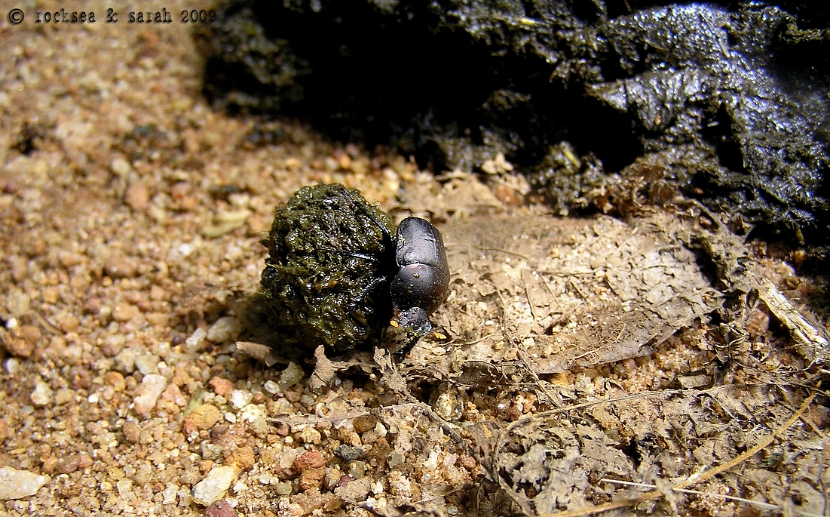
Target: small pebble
311	435
120	267
51	294
30	333
169	494
131	432
222	387
12	366
17	304
225	329
137	195
348	453
23	340
292	375
42	394
308	460
124	486
174	394
192	343
63	396
251	413
271	387
116	380
242	458
241	398
69	323
149	392
19	347
73	462
123	311
121	167
125	361
113	345
157	293
365	423
147	363
203	417
214	486
17	484
220	509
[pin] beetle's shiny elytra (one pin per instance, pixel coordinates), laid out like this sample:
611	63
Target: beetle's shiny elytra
423	276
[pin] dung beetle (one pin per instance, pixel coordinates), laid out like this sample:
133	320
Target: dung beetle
415	262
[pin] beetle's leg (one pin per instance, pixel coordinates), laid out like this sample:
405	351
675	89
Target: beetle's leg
377	281
401	353
359	255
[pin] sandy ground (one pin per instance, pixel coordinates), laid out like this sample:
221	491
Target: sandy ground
130	220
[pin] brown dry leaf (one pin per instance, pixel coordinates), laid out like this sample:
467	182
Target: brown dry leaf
566	292
324	370
548	464
263	353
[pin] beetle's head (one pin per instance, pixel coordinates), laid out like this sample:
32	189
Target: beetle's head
414	321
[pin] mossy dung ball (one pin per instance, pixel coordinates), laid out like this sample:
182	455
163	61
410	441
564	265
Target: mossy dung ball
323	255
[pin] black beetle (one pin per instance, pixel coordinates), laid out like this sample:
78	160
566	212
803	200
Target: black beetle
419	275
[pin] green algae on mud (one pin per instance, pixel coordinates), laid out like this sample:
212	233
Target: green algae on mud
313	284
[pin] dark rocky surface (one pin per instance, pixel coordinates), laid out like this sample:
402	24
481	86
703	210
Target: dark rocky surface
728	102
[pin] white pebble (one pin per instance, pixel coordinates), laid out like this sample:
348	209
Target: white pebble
42	394
241	398
292	375
169	494
283	488
225	329
251	413
125	361
12	366
121	167
147	363
380	429
16	484
148	393
185	249
311	435
214	486
124	486
271	387
17	303
191	344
